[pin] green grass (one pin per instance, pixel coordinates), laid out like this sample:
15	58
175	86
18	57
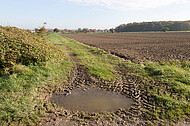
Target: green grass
174	71
173	92
98	62
19	92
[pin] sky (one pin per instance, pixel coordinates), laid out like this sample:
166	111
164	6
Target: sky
94	14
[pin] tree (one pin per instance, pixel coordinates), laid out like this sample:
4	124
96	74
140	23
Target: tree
79	30
165	29
42	30
106	30
36	30
154	26
112	30
94	30
56	30
85	30
45	23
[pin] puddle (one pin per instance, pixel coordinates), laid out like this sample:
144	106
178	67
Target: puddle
92	100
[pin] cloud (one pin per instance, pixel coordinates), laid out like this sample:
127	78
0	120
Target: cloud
129	4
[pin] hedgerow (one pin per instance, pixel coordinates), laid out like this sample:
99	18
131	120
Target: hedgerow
19	46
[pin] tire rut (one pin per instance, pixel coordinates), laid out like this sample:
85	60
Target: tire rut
125	83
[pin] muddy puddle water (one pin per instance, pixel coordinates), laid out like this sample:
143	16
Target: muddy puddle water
92	100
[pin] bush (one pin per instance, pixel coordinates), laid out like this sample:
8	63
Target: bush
56	30
42	30
165	29
21	47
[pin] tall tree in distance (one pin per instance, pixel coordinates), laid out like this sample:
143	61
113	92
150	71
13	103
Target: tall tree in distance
165	29
85	30
42	30
79	30
112	30
56	30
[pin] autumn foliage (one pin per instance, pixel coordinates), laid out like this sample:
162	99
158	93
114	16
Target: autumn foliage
21	47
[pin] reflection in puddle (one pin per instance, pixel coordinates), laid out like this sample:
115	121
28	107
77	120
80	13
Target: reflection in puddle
92	100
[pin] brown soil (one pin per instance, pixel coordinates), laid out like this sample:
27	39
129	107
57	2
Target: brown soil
126	84
140	47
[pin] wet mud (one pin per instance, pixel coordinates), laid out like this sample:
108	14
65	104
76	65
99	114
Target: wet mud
91	100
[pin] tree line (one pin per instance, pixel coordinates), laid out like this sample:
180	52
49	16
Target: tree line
79	30
154	26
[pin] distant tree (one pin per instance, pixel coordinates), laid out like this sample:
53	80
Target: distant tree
154	26
36	30
79	30
85	30
41	30
70	31
165	29
65	31
56	30
94	30
112	30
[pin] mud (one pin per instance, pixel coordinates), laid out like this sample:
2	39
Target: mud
79	78
92	100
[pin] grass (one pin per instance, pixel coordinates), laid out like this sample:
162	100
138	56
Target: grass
100	65
19	90
173	92
173	72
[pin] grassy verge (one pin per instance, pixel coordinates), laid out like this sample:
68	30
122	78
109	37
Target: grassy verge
99	62
19	91
174	93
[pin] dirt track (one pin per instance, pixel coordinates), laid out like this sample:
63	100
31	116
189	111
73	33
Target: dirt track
140	47
126	85
79	78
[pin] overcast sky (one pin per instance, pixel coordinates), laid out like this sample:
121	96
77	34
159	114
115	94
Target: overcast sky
99	14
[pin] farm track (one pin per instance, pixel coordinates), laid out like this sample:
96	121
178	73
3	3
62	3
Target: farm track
139	47
125	84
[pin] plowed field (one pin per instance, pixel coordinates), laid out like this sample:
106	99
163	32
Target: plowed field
140	47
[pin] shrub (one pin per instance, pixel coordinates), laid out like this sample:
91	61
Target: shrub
165	29
42	30
21	47
56	30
